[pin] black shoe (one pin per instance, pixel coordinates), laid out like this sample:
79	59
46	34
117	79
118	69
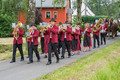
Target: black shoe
57	61
38	60
48	63
22	60
30	62
69	56
12	61
52	55
62	57
98	46
94	47
101	43
27	57
45	56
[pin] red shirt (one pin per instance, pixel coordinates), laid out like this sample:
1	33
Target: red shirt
80	29
88	31
68	34
19	39
35	36
54	32
97	32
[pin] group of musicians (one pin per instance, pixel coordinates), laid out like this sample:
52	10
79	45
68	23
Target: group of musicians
54	38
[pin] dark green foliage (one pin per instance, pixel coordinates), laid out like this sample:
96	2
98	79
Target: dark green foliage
6	25
87	19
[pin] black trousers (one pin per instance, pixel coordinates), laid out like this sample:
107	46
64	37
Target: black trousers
52	46
34	48
96	37
19	46
103	35
59	45
28	48
74	44
66	44
80	38
42	44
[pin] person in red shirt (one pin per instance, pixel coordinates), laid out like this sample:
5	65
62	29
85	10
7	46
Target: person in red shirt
75	39
87	42
59	37
53	41
80	33
96	36
33	44
103	32
17	42
66	39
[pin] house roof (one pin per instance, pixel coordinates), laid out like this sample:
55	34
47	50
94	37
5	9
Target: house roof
84	11
48	4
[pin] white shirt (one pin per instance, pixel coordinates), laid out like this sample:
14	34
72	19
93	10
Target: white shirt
32	33
65	35
51	32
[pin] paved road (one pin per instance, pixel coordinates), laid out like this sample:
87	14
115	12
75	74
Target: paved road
24	71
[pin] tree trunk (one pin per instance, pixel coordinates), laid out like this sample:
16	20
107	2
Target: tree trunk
79	3
30	17
31	12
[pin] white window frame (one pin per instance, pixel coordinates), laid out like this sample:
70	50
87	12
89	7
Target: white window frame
45	14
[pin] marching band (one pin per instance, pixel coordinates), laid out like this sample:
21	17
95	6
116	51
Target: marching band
53	38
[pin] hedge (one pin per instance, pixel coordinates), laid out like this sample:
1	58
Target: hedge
87	19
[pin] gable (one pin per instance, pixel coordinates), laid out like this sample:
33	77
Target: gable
48	4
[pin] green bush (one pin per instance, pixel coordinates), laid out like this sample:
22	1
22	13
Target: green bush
6	25
87	19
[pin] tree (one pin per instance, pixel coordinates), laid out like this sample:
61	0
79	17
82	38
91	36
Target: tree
38	16
79	3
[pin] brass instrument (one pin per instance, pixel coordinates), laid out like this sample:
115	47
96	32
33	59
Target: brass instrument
16	35
64	27
44	28
96	27
28	33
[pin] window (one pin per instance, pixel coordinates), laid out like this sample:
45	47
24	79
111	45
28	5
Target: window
48	15
55	14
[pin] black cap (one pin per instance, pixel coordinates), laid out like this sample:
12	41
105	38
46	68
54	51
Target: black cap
34	25
60	23
78	23
66	22
53	19
70	23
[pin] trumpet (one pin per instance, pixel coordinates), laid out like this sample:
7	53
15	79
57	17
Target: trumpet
16	29
44	28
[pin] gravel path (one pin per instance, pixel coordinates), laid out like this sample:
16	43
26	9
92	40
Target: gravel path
24	71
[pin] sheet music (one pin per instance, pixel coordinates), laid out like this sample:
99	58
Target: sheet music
13	25
28	27
73	29
64	25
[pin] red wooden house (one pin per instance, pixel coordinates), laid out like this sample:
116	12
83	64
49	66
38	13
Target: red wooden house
49	11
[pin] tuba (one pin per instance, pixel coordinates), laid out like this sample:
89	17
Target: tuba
16	35
96	27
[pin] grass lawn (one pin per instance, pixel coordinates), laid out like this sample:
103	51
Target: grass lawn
103	64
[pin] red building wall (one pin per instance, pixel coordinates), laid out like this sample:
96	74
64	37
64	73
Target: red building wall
61	14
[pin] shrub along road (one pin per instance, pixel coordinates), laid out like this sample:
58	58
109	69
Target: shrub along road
24	71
